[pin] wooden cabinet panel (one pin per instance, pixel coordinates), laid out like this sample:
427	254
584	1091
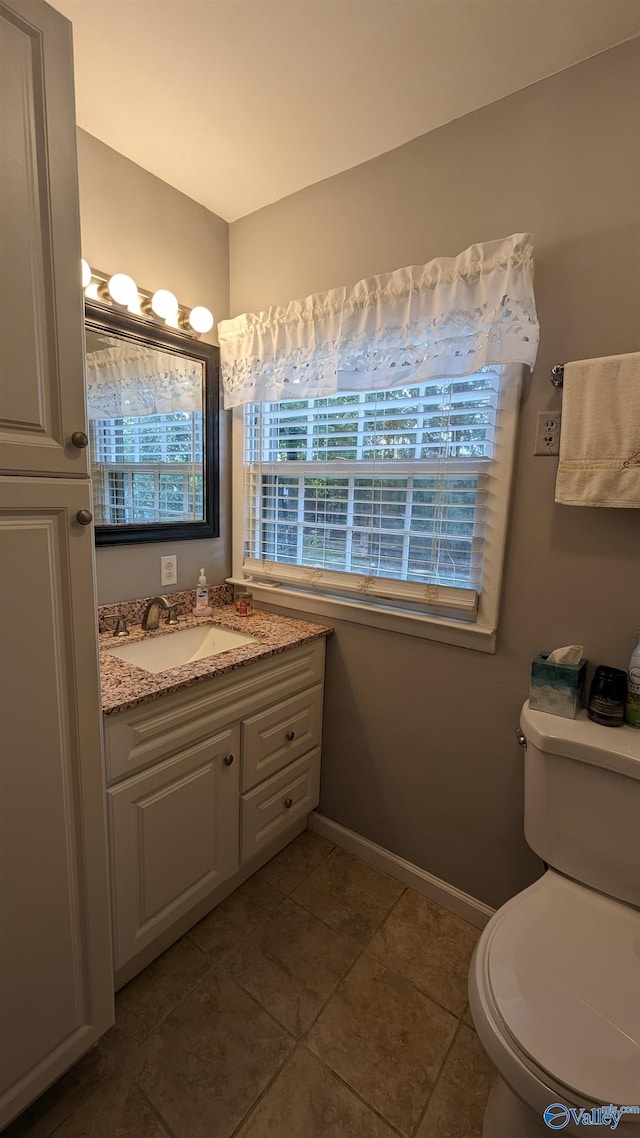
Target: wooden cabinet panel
277	736
174	838
41	302
270	808
56	989
56	977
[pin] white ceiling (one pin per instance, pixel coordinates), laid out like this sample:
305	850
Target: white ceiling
240	102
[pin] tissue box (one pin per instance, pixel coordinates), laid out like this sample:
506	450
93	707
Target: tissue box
557	689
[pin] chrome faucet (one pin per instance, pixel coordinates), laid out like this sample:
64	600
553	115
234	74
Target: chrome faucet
151	616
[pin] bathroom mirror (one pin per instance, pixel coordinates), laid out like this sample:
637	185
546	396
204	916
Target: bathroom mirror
152	398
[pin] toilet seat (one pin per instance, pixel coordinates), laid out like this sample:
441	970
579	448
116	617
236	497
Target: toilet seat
557	974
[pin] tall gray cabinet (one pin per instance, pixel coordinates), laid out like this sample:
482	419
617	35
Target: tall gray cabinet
56	988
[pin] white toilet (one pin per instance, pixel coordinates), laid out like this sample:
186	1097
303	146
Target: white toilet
554	983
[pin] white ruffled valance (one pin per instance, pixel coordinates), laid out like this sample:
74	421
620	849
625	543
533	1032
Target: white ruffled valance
131	379
447	318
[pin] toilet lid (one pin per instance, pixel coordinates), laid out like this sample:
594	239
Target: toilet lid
564	970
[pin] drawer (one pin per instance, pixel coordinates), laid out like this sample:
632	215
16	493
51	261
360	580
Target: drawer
141	736
269	809
274	738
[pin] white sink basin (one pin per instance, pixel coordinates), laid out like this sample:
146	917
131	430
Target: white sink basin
160	653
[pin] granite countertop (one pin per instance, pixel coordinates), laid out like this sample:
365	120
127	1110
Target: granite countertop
125	686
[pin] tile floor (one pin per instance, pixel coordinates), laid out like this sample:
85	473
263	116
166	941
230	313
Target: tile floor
321	1000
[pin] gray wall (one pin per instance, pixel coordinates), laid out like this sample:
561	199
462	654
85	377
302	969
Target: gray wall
419	749
132	222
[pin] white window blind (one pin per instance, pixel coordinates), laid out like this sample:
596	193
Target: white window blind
382	494
147	468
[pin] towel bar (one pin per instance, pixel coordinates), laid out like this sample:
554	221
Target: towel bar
557	375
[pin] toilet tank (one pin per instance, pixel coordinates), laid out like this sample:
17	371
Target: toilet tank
582	800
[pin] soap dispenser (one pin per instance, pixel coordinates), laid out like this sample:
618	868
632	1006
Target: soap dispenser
202	597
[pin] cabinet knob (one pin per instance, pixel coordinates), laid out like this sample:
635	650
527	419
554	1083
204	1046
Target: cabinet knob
84	517
79	440
228	760
288	803
291	735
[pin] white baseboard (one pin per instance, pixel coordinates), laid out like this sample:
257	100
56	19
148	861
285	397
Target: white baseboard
471	910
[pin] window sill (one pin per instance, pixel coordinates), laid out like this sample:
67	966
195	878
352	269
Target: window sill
478	637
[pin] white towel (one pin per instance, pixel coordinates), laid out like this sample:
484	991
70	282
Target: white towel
600	433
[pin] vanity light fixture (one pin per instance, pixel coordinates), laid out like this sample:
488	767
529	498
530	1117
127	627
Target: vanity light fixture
200	319
122	289
162	306
165	305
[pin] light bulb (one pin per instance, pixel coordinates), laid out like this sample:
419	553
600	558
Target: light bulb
122	289
164	304
86	273
200	319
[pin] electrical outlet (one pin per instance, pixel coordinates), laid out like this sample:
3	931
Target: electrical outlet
548	433
169	570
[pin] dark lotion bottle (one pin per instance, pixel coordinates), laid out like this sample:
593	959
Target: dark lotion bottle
607	696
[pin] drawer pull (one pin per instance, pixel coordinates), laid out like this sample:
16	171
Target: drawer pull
228	760
288	803
79	440
291	736
85	517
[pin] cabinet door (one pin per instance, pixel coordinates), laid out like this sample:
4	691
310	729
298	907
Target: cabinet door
174	838
56	979
42	400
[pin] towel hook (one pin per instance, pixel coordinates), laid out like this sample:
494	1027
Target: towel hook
557	375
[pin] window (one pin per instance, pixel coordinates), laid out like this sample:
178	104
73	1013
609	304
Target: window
149	468
395	497
374	433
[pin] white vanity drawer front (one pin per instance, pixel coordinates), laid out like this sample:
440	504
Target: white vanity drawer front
274	738
143	735
271	807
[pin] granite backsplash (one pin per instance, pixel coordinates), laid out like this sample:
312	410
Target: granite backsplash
183	599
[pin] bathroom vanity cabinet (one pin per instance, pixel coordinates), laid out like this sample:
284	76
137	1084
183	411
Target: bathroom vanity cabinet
203	786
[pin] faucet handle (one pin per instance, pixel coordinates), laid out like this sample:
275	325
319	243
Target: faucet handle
121	627
172	616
